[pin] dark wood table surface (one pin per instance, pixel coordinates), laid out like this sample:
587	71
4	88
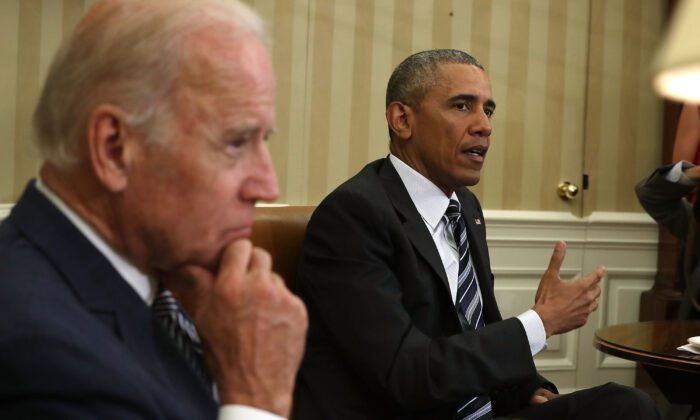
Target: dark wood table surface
654	344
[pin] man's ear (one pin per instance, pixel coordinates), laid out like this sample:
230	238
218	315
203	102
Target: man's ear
108	143
398	116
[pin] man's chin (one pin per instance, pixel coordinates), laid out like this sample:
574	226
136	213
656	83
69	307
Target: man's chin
178	279
184	276
471	180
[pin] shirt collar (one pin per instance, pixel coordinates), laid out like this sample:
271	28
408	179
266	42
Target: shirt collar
142	284
430	201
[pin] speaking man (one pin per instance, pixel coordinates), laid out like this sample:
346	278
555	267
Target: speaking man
396	277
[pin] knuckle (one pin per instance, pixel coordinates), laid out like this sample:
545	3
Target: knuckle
262	256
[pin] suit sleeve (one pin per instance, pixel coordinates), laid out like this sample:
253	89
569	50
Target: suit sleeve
664	202
347	278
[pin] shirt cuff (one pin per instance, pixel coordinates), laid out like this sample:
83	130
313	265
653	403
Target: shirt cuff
676	175
534	328
244	412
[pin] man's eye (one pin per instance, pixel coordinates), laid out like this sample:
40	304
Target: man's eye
461	106
488	112
236	143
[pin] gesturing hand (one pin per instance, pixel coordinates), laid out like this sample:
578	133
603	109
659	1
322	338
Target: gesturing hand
252	328
564	306
693	173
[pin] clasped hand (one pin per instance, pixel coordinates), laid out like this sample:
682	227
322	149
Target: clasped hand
252	328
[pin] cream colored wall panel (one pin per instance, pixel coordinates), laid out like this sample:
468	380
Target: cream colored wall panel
266	9
546	77
514	136
319	78
492	180
296	110
382	66
421	38
461	33
537	226
650	106
359	117
534	139
534	254
27	93
51	34
9	33
342	88
610	107
620	288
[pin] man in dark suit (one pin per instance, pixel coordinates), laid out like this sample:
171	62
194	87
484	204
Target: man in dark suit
661	194
152	126
396	277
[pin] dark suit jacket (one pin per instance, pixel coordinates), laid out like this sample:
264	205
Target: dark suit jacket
663	200
76	341
385	341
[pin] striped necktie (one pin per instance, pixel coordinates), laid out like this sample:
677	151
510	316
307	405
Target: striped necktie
181	329
468	302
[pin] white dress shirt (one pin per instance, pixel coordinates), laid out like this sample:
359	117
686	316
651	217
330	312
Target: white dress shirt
432	203
677	176
145	287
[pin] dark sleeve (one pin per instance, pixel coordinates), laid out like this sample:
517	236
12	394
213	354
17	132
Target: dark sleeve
664	202
348	278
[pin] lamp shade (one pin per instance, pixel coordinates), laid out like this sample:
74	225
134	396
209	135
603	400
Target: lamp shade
677	62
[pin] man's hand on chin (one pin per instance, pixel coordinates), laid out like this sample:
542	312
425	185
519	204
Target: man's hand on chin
252	328
542	395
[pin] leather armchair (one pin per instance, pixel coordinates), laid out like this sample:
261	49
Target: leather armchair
280	231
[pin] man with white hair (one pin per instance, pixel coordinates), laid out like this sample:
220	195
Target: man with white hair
152	126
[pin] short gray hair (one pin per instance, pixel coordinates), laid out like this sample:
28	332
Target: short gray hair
127	53
418	73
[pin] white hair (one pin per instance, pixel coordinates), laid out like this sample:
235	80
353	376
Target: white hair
127	53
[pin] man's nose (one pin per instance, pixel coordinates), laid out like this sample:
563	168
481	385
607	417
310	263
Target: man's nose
481	125
262	183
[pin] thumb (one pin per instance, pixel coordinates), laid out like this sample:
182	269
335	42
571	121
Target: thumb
552	272
556	261
538	399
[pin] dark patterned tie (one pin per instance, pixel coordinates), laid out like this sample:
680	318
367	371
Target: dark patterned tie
468	301
181	329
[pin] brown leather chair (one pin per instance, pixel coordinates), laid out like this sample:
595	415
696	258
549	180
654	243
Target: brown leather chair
280	231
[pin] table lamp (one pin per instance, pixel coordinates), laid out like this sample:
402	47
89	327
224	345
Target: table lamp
677	62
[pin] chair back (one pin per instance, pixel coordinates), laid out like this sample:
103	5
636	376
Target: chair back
280	231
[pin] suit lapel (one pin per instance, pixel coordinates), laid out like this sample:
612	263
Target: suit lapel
413	223
101	290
